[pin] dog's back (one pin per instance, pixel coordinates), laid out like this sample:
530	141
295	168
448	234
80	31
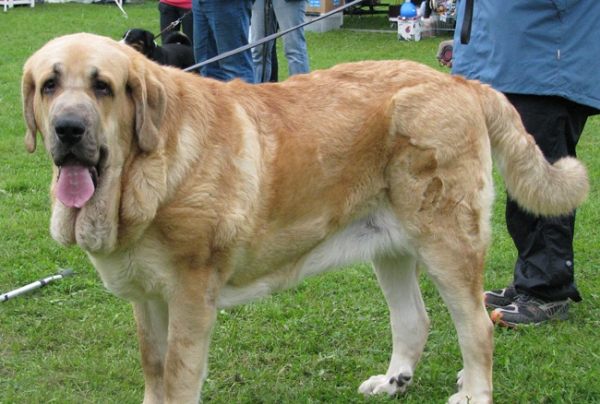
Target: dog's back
176	37
177	50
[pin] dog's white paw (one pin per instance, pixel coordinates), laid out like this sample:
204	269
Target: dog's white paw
462	397
383	384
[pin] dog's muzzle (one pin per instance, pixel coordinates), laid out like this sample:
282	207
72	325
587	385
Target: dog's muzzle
76	155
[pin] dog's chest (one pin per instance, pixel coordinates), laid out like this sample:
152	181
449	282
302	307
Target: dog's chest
137	273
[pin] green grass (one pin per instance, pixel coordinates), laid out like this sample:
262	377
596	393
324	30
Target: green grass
73	342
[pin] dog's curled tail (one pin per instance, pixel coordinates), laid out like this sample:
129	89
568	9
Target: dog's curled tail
176	37
538	186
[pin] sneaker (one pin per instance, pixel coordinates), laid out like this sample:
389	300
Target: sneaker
500	298
528	310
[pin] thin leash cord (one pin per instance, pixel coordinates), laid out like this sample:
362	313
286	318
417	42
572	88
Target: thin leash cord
465	32
173	24
270	37
268	9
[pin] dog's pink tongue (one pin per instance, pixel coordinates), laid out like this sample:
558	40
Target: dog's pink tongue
75	186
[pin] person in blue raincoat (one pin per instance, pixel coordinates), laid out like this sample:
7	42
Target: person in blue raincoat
544	55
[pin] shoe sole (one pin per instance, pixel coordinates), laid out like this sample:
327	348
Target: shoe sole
497	319
494	306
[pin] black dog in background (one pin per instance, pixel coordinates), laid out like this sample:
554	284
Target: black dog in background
176	49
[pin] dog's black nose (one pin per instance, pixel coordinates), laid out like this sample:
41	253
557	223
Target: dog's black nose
70	129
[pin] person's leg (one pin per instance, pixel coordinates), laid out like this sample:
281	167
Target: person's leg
168	14
204	42
261	26
257	32
200	31
213	70
544	277
291	14
230	23
544	268
187	24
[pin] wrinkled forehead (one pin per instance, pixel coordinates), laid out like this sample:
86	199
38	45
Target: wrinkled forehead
76	59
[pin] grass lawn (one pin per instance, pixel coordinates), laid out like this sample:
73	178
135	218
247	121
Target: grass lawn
73	342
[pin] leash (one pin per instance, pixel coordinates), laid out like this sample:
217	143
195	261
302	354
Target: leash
119	4
270	26
173	24
270	37
465	30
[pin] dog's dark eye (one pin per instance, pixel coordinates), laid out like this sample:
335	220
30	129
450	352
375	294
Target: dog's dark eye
49	86
102	87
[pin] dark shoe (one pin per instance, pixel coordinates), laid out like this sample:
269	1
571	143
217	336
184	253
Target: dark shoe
500	298
527	310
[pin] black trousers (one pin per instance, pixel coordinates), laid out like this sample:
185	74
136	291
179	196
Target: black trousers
545	263
169	14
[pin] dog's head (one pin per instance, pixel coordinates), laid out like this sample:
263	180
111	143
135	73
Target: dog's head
140	40
93	101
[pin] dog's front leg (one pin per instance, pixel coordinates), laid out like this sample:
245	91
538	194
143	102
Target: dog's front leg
192	315
152	321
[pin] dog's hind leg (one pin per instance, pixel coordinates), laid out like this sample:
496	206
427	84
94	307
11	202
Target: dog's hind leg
458	278
399	281
152	321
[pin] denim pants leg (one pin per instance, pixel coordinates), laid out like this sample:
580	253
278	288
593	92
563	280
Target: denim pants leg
219	27
545	263
201	33
290	14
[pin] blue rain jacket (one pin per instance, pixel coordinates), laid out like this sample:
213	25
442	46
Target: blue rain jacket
539	47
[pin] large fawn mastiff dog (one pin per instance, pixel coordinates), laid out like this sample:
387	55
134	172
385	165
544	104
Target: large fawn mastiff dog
190	195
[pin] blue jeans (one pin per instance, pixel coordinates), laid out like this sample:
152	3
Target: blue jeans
221	26
288	14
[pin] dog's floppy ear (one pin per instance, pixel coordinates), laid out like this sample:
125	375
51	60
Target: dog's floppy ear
150	99
28	93
149	39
